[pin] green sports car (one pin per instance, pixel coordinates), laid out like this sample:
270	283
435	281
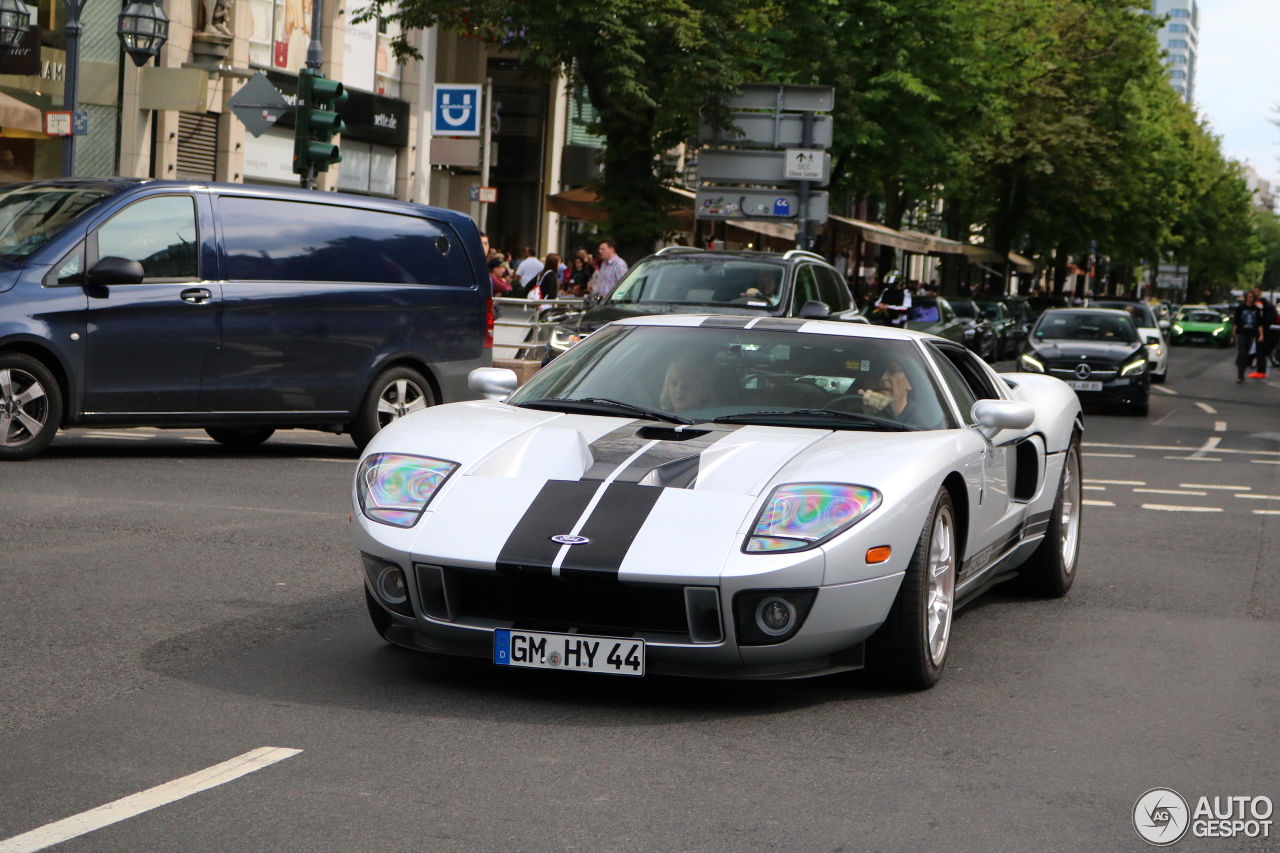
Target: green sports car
1202	327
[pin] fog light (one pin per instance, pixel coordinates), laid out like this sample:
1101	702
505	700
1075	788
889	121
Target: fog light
391	586
775	616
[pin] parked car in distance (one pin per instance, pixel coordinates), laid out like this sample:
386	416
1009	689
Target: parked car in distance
934	315
980	334
1010	331
239	309
682	280
1202	326
1096	351
1037	305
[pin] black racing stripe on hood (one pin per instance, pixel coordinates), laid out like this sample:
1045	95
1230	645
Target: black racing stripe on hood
612	527
727	322
556	509
612	449
673	460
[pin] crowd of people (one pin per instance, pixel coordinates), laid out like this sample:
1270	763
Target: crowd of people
586	273
1256	333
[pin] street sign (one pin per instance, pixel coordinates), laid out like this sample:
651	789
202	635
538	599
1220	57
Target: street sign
80	123
771	96
804	164
258	104
729	203
484	195
756	167
457	110
58	123
760	129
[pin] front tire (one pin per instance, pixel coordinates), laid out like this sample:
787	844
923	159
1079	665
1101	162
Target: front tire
240	439
394	393
910	649
30	406
1051	569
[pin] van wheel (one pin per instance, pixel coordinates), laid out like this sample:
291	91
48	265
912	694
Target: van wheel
394	393
30	406
240	439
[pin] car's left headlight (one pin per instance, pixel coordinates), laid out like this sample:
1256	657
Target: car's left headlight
562	337
1220	330
1177	330
802	515
394	488
1134	368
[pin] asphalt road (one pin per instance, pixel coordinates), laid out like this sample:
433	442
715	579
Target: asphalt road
166	605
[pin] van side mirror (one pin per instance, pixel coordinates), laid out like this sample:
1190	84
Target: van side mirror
1003	414
814	310
493	383
113	270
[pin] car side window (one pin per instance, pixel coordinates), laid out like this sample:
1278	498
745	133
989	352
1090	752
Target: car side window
70	269
833	289
806	289
159	233
960	389
974	374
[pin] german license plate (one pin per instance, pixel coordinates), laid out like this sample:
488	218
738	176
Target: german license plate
1085	386
576	652
1198	339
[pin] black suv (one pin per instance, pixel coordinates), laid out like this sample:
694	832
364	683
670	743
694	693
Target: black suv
680	280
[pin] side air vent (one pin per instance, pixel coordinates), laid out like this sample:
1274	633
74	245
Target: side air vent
703	606
1027	472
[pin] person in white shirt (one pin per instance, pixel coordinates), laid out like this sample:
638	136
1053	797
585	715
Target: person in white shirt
528	270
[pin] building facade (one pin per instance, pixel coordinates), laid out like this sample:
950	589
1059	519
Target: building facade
1180	37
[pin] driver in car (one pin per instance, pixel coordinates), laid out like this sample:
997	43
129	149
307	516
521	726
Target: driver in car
766	285
688	385
891	398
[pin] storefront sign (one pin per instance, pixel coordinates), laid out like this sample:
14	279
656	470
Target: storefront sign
457	110
23	60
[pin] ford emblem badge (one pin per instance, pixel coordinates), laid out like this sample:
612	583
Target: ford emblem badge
567	539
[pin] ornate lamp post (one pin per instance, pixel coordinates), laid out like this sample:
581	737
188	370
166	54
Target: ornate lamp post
143	30
13	24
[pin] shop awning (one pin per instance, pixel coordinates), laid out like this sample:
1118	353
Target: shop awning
883	235
768	229
983	255
584	204
17	116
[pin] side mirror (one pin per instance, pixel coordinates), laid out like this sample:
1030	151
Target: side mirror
493	383
113	270
1164	325
1152	339
1003	414
589	301
814	310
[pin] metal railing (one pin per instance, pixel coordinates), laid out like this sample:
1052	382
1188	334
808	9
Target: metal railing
522	327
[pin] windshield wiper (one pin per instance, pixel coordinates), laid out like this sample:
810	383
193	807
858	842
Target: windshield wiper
817	414
605	406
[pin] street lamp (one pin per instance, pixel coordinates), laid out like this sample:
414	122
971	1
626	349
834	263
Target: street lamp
13	24
143	30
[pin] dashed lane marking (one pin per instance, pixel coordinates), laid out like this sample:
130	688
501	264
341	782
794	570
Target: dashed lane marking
1110	455
1261	497
1265	461
1165	390
1172	492
1195	458
1094	488
145	801
1218	488
1097	503
1168	508
1206	408
1117	482
1266	512
1219	426
1174	448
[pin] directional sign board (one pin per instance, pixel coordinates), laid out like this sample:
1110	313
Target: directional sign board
756	167
771	96
735	203
761	129
258	104
457	109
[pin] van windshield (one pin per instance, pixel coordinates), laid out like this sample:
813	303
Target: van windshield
32	216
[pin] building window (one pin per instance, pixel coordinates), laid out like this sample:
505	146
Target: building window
1182	43
1178	74
1178	59
1179	13
1179	28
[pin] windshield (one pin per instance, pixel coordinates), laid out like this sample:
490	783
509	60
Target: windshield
706	373
1204	317
965	309
1086	326
990	310
703	281
1141	314
32	216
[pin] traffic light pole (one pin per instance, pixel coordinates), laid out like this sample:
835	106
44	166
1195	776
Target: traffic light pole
315	60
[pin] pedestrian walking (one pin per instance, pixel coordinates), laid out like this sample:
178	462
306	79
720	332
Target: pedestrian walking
1270	336
545	286
612	269
1246	331
528	269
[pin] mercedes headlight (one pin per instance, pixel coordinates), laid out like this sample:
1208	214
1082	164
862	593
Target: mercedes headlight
394	488
1134	368
1032	364
1177	330
1219	330
562	337
802	515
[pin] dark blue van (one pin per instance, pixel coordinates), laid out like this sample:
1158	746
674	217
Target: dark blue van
235	308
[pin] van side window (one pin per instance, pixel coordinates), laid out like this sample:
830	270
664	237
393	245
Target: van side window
272	240
159	233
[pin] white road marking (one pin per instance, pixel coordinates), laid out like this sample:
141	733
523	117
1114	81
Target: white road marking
1167	508
1195	458
1219	426
1169	391
1171	448
145	801
1110	455
1261	497
1117	482
1171	492
1206	408
1219	488
1209	444
1094	488
1266	512
1265	461
1097	503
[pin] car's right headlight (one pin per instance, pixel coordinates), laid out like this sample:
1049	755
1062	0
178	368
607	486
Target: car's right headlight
802	515
1177	330
1134	368
563	337
394	488
1032	364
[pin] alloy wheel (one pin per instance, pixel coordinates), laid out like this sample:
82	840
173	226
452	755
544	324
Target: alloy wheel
1070	524
401	397
24	407
940	576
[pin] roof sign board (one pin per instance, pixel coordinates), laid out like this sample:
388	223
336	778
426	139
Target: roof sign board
761	129
729	203
728	166
258	104
771	96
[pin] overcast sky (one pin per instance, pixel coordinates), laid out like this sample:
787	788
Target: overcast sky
1238	79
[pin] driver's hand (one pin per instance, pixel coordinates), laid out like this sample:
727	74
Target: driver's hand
875	400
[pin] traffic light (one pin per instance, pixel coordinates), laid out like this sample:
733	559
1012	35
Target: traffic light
317	122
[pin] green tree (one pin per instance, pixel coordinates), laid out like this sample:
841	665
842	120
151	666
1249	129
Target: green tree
1267	227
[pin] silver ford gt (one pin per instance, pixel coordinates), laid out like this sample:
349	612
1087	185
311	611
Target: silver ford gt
731	497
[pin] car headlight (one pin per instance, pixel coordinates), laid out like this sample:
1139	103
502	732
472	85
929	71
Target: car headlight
1177	330
1219	330
802	515
562	337
394	488
1134	368
1030	363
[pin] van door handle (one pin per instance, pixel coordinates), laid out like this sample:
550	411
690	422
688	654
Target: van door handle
196	295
